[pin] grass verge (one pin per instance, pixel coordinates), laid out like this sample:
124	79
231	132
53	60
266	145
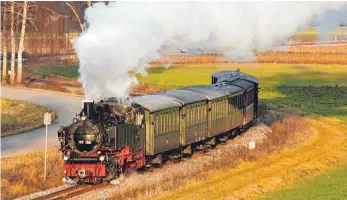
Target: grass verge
23	174
20	116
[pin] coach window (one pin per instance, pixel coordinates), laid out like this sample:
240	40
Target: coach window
178	119
220	108
159	123
163	122
216	109
188	116
212	110
173	117
193	115
156	124
167	123
198	117
235	100
173	120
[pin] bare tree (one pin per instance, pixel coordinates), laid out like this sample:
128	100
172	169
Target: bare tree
74	10
4	44
21	42
13	44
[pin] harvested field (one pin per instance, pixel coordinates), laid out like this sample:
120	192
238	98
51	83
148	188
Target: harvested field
302	58
301	54
315	49
276	57
23	174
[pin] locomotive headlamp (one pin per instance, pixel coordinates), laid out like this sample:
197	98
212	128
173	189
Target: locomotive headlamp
66	158
102	158
83	117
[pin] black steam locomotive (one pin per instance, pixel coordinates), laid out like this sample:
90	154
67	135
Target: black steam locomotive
112	137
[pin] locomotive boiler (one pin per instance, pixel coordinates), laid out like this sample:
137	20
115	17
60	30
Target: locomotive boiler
111	137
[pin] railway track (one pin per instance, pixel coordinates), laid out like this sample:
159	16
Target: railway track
71	192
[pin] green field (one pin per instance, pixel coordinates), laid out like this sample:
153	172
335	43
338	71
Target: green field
269	74
331	185
67	72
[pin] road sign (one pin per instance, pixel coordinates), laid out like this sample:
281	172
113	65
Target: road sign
46	121
47	118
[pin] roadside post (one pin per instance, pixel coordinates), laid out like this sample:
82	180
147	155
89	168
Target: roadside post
46	121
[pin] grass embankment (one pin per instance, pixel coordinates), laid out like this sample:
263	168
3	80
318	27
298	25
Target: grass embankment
254	179
20	116
23	174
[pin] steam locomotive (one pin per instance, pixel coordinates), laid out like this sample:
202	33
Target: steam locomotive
111	137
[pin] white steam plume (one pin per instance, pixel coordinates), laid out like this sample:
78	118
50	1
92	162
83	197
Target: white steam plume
124	36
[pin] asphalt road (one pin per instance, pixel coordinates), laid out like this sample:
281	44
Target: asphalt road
64	106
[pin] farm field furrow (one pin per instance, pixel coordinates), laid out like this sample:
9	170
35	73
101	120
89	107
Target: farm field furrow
255	179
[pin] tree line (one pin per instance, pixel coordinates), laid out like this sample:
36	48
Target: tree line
18	18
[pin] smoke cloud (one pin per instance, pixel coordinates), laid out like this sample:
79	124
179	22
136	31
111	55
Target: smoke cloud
122	37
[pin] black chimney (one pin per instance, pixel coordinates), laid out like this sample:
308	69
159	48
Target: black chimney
88	109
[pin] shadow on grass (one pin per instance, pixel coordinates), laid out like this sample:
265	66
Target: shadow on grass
329	101
305	76
70	72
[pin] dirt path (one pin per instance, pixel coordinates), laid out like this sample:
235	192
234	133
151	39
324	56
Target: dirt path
254	179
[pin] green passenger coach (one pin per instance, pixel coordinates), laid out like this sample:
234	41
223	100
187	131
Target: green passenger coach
180	120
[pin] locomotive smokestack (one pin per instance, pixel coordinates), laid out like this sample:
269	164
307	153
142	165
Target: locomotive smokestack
88	109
